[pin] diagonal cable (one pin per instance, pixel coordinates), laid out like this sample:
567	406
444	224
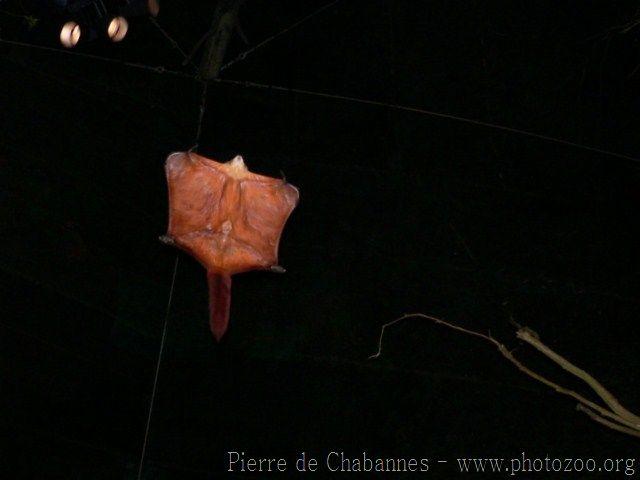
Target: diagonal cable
244	54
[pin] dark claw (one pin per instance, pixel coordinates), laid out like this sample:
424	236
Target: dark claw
277	269
166	239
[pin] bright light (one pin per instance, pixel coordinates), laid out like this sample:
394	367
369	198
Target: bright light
117	28
70	34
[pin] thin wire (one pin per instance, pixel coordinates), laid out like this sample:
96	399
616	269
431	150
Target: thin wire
171	40
422	111
244	54
203	106
248	84
16	15
159	69
203	101
155	380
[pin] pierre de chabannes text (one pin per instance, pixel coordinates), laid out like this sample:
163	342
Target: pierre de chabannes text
334	461
339	461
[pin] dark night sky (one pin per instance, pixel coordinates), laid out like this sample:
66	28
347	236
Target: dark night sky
400	212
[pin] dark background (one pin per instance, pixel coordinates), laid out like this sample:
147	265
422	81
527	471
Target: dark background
400	212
